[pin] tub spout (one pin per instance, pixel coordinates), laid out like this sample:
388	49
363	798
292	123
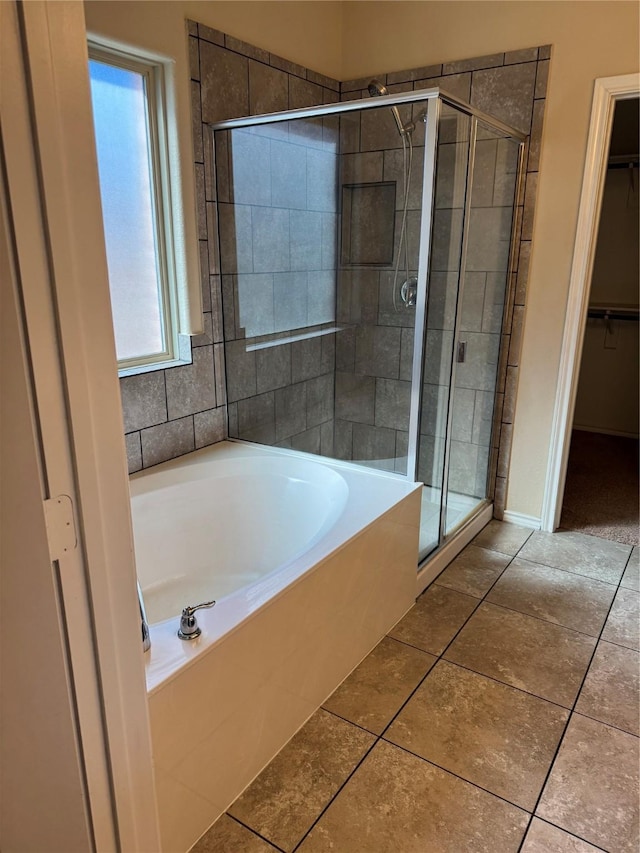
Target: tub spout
189	629
146	638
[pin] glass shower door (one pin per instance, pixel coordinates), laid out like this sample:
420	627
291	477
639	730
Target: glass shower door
320	221
481	308
442	300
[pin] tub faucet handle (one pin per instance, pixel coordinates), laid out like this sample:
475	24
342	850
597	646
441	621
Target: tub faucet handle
189	629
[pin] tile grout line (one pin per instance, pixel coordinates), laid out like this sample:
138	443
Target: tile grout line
572	712
572	834
253	832
381	737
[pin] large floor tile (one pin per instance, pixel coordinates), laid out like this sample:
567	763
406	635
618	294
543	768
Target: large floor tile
592	791
226	835
574	552
495	736
503	537
434	621
611	692
544	838
376	690
631	576
398	802
557	596
623	624
544	659
286	798
474	571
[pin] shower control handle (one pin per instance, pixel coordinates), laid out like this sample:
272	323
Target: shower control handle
189	629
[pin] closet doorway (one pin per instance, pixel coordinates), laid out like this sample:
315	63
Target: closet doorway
601	490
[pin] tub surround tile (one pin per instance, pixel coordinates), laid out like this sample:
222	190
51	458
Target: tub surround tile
474	571
503	537
167	441
256	415
556	596
288	796
435	619
541	658
144	401
309	358
623	623
227	835
209	427
575	552
575	797
308	441
134	451
376	689
241	371
320	397
611	692
273	368
490	734
191	388
291	409
542	837
376	811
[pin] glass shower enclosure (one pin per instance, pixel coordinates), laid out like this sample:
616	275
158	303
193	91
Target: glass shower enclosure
365	253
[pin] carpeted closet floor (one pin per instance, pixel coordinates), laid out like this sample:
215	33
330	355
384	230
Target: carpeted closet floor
601	494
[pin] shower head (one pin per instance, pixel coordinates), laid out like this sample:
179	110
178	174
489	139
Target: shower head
376	88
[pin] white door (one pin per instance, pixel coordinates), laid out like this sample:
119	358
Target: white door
78	671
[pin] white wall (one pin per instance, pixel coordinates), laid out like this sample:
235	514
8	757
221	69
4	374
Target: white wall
607	398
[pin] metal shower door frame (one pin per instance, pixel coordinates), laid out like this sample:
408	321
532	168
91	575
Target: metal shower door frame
433	98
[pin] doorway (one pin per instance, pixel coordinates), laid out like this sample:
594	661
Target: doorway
608	93
601	491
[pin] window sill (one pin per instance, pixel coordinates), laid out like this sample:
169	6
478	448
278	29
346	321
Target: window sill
184	357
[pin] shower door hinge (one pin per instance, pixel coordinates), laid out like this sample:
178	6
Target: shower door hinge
61	528
462	352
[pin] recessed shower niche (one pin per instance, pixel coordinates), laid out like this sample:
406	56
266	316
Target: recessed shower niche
365	253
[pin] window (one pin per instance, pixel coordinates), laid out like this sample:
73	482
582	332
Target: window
131	140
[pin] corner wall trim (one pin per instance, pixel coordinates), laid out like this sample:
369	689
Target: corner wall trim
607	90
522	520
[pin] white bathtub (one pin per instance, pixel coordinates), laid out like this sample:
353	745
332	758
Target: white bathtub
310	563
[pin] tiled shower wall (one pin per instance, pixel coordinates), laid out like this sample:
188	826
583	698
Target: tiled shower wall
169	413
374	348
512	87
277	230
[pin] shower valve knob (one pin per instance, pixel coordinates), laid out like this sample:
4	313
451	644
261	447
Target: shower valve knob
189	628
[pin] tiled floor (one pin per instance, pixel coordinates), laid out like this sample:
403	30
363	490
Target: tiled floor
501	714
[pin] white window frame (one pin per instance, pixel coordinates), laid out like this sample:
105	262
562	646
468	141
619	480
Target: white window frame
177	349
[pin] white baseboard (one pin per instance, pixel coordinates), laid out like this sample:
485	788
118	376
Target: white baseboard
522	520
433	566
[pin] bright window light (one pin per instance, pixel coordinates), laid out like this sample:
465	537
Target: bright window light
127	110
